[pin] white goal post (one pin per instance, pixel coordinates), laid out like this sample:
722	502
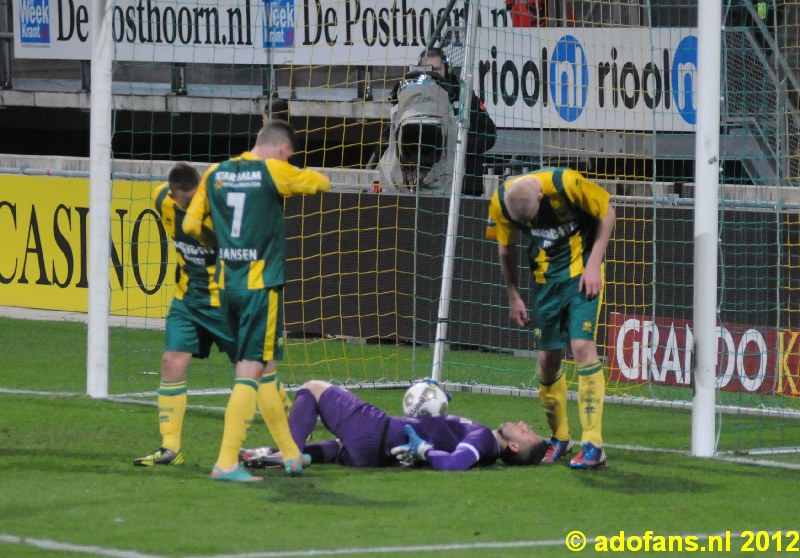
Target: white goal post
99	201
706	227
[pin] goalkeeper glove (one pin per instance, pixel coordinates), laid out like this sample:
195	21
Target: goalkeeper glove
416	445
404	455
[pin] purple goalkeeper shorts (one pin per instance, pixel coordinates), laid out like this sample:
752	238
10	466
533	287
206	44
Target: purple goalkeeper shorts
360	427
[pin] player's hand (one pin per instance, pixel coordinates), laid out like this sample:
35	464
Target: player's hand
417	445
591	282
404	455
519	312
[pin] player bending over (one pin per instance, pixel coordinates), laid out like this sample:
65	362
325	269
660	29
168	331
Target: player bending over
368	437
567	222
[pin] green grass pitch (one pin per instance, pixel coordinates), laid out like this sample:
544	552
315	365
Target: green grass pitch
67	486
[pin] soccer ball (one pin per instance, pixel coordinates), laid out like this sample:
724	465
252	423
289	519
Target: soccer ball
425	398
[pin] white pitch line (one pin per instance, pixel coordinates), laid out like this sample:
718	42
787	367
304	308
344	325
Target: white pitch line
48	544
421	549
141	403
723	456
12	391
57	546
760	462
626	447
429	549
18	313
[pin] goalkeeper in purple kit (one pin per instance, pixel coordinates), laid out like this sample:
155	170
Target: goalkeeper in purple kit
366	436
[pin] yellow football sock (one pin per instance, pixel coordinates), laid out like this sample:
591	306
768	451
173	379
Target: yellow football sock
591	394
171	410
272	410
553	396
238	417
285	400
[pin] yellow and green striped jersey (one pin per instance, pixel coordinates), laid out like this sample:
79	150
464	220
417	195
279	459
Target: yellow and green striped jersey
244	197
195	284
563	232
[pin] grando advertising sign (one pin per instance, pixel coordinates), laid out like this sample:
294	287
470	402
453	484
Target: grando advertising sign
642	79
660	350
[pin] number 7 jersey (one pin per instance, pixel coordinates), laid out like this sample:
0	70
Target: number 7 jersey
244	197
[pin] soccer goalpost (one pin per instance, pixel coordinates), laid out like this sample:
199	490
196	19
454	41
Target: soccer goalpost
100	202
706	228
386	287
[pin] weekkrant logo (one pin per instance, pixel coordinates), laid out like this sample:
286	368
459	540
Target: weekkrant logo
684	71
34	22
569	78
278	23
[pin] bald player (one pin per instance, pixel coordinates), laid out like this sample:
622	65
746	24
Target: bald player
567	221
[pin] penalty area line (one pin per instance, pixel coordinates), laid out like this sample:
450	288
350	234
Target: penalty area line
589	542
742	459
13	391
420	549
47	544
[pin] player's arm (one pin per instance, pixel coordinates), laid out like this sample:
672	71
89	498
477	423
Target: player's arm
158	196
507	236
596	201
509	262
464	457
209	235
592	278
292	181
196	223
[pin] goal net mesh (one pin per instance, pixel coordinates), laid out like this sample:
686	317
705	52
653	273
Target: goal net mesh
606	88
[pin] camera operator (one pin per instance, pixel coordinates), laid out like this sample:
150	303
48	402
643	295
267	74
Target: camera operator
482	132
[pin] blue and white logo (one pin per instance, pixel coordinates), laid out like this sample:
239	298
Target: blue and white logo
683	75
34	22
278	23
569	78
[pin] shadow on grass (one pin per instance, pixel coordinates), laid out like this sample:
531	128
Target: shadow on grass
636	483
657	473
308	489
94	463
304	489
639	473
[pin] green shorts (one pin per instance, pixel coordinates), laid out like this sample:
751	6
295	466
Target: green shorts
562	313
256	318
192	330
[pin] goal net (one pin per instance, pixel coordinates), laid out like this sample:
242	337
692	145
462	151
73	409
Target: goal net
606	88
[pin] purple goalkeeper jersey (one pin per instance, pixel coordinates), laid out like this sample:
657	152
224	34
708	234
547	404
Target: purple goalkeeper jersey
458	443
367	434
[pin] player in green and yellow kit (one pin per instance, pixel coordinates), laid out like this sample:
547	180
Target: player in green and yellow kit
194	320
244	198
568	221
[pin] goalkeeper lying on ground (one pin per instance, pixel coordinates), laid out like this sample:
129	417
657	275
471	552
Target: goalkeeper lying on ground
368	437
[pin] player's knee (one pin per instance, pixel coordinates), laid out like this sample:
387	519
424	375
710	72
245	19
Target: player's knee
549	364
174	365
584	351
